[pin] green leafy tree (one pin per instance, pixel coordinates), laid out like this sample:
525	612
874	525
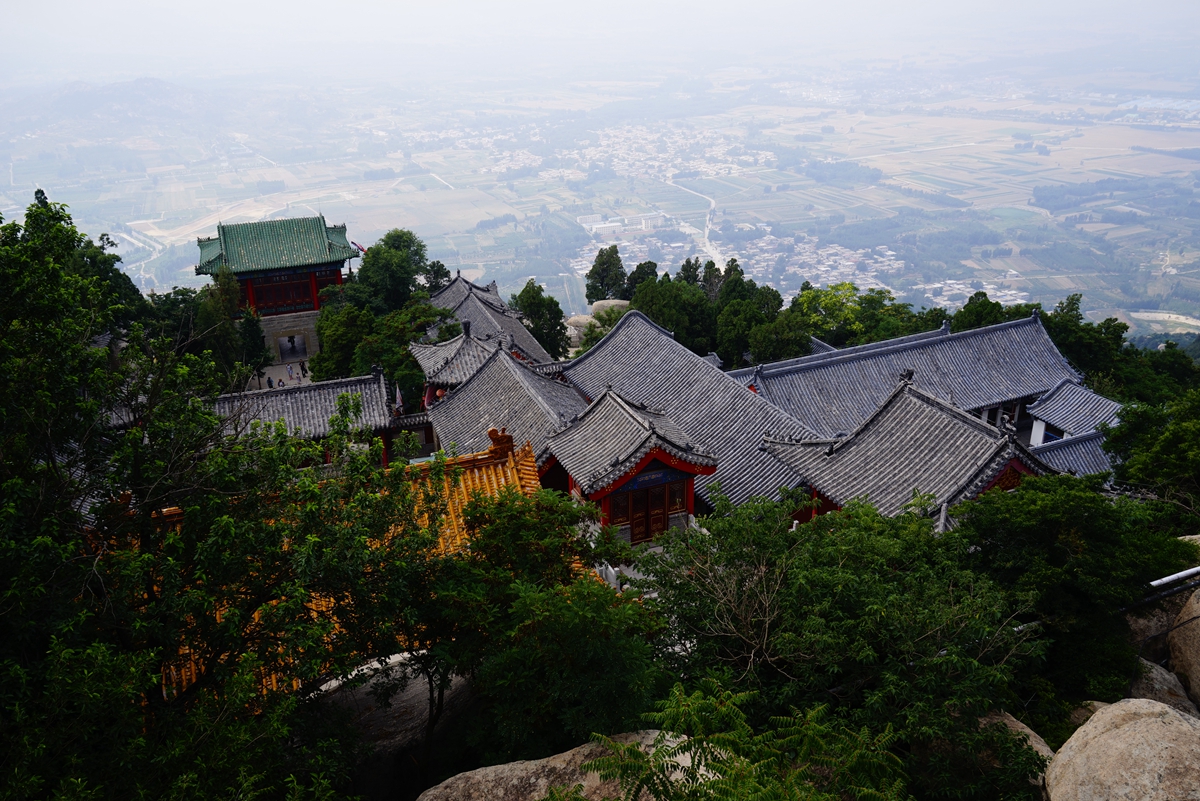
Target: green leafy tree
707	749
877	614
1157	449
134	639
255	353
734	325
437	275
689	271
607	277
543	317
681	308
1076	557
387	279
711	279
785	337
387	347
341	328
646	271
596	330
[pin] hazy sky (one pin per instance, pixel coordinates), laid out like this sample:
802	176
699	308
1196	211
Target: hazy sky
401	41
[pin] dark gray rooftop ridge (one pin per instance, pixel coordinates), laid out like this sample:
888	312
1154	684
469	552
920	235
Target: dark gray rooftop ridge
1082	455
308	407
643	363
1074	409
913	442
504	393
452	362
832	393
611	436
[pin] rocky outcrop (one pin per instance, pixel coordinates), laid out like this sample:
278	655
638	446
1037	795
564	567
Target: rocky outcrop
1185	645
1035	741
530	780
1082	714
1159	684
1133	749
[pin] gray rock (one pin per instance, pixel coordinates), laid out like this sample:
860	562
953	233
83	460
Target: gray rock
1035	740
1134	750
1159	684
1185	645
530	780
1081	715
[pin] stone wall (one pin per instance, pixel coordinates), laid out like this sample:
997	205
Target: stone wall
298	324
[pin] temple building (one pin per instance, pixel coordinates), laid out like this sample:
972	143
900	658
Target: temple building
913	443
632	461
306	409
281	267
643	363
489	317
505	393
994	371
1069	410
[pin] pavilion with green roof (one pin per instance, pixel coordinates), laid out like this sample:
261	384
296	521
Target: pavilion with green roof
281	265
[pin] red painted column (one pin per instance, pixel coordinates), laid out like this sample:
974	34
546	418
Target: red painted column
250	301
603	510
689	495
312	282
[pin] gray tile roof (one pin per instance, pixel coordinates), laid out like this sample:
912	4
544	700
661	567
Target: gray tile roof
914	441
453	293
611	436
643	363
832	393
489	316
1073	408
504	393
449	363
1082	455
309	407
491	322
821	347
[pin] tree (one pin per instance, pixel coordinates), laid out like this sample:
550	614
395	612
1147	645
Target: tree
596	330
689	271
437	275
711	279
607	277
706	750
875	615
543	317
785	337
340	327
388	276
255	353
387	346
682	309
1157	449
646	271
734	326
158	564
1076	557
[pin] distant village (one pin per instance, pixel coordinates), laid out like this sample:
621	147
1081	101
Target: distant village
653	433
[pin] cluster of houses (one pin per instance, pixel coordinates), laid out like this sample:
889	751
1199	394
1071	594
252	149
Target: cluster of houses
653	433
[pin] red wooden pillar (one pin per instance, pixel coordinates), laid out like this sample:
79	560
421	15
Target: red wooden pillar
689	495
312	282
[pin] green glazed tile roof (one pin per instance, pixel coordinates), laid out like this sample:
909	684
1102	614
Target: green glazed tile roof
273	245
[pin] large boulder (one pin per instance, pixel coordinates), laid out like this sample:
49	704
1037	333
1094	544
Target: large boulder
1135	750
1082	714
610	303
530	780
1159	684
1035	741
1185	645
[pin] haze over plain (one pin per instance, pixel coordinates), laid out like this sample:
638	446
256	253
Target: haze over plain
156	121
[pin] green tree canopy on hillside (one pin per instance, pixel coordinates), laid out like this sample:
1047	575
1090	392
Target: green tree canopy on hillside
543	317
606	279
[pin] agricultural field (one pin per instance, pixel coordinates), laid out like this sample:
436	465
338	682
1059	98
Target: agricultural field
1029	195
